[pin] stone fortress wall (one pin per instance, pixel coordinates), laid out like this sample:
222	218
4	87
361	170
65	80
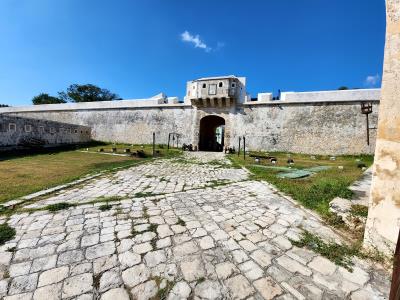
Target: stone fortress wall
328	122
20	132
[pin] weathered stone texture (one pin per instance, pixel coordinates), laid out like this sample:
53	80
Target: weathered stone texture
314	123
383	221
18	132
229	245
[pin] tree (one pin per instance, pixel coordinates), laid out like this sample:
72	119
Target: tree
342	88
44	98
87	93
4	105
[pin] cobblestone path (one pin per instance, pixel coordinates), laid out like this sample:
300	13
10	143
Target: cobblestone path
199	230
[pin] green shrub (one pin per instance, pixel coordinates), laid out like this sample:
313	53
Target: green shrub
6	233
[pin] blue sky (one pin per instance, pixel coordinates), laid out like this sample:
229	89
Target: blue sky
140	48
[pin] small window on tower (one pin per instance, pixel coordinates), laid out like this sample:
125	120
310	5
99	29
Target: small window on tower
204	85
220	84
233	84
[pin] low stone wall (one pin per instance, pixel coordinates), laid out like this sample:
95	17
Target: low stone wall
20	132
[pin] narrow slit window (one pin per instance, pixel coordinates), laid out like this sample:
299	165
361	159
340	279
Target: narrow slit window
12	127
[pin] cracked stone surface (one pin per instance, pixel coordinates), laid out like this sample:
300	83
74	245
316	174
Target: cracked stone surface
191	238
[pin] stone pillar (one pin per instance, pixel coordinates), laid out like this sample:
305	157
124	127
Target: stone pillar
383	222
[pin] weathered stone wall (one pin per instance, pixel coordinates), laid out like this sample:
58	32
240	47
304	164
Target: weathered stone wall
318	122
383	223
318	128
127	125
17	132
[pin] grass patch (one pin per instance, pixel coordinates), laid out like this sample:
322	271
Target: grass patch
163	292
7	233
27	173
105	207
143	194
334	220
12	249
183	161
153	228
316	191
108	199
181	222
133	231
153	244
215	183
59	206
359	210
219	164
145	213
200	280
339	254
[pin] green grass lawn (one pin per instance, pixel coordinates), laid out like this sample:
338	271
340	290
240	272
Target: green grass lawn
24	174
316	191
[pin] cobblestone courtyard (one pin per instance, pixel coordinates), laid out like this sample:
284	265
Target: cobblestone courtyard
183	229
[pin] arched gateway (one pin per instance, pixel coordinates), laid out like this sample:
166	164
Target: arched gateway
212	129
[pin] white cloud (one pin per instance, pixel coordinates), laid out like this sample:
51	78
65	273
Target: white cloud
186	36
372	80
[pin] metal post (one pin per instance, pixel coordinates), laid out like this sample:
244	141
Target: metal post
177	141
154	144
367	130
169	137
366	109
239	146
244	148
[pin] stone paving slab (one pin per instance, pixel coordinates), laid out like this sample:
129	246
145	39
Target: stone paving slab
159	177
222	242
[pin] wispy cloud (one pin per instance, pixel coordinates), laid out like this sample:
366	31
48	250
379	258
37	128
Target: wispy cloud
372	80
197	42
187	37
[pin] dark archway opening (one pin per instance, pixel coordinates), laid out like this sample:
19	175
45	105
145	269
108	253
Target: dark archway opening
212	130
